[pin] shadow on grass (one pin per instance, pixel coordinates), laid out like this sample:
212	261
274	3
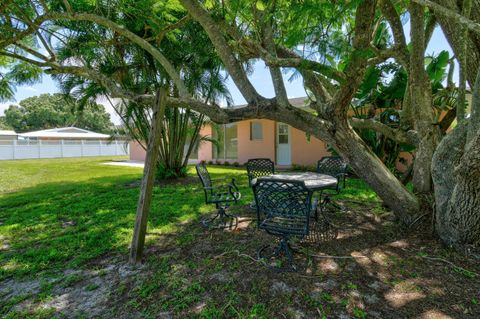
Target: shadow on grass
191	272
55	226
379	273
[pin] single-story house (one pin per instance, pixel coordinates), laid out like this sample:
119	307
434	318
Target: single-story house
6	135
257	138
64	133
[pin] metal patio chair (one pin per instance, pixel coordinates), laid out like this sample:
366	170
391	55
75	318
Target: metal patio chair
220	194
337	167
258	167
283	210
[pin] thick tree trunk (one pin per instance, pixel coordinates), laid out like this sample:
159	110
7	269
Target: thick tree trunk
464	206
456	174
446	158
420	92
370	168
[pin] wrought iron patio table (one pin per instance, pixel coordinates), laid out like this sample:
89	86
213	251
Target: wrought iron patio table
322	229
313	181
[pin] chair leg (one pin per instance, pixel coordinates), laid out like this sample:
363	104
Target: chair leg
282	250
221	220
337	206
327	200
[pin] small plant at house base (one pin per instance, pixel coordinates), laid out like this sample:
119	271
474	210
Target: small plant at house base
203	162
163	172
210	162
218	163
236	164
226	163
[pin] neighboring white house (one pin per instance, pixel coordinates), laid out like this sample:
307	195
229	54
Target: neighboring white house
65	133
7	135
60	142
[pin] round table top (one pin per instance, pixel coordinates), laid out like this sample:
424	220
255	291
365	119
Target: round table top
313	181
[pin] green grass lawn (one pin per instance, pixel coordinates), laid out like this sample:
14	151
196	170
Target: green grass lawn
66	225
64	214
40	199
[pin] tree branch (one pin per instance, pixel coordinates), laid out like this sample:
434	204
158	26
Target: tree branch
395	52
355	69
234	67
180	23
441	10
174	75
399	136
305	64
45	44
275	73
68	7
429	29
32	52
320	87
395	22
23	58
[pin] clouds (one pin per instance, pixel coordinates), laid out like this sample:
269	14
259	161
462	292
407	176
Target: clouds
3	107
31	89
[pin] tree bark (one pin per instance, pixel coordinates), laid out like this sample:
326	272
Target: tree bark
420	91
452	33
446	158
464	206
145	199
370	168
456	174
452	15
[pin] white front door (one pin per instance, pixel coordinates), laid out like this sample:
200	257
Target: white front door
284	153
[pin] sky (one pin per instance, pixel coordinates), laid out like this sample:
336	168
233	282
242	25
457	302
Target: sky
260	79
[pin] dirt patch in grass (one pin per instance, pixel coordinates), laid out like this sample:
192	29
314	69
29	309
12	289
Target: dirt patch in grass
370	270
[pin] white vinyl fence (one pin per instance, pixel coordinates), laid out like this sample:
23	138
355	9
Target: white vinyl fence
27	149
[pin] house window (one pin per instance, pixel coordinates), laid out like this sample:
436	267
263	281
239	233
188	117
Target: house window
231	141
256	131
227	138
282	133
218	148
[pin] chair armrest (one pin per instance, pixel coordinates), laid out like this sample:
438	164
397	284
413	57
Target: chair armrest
225	181
228	185
233	185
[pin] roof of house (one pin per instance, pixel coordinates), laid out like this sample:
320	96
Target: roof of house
66	132
8	133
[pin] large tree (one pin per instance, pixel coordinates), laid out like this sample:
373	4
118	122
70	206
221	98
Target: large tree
137	72
331	44
54	110
4	125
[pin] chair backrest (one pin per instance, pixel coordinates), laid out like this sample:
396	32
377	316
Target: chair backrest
204	176
258	167
282	198
331	165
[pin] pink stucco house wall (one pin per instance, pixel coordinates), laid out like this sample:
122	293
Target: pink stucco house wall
300	149
257	138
